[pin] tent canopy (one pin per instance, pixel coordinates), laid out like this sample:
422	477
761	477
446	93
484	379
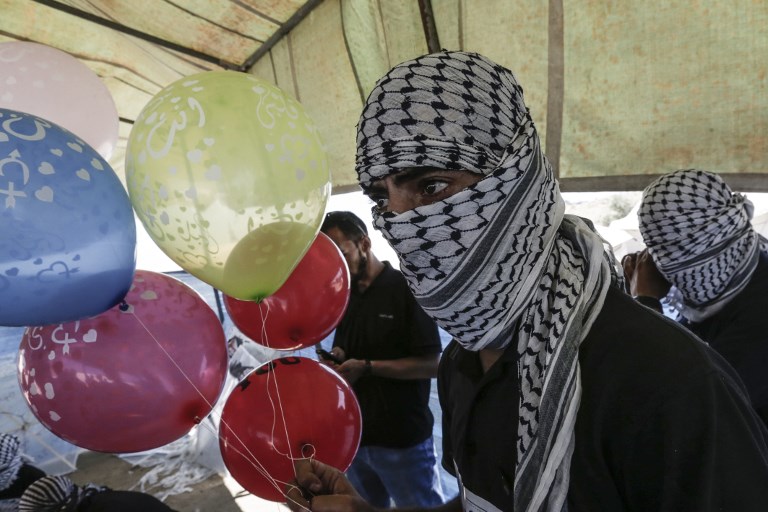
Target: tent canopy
620	91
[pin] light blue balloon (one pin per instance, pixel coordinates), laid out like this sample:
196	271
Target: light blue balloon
67	231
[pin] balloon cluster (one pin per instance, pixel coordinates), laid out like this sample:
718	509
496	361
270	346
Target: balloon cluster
228	175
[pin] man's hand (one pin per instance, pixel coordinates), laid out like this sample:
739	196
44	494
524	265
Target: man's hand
336	352
628	265
351	369
319	487
643	276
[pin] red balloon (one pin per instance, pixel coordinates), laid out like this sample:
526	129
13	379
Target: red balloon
133	378
287	409
305	309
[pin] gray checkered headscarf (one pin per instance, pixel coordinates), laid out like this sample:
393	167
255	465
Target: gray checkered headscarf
497	261
699	234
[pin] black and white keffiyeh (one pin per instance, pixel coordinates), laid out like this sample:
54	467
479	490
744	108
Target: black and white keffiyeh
699	234
499	260
10	464
56	494
10	460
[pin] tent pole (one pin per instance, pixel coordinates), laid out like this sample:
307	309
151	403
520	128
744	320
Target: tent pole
555	85
430	29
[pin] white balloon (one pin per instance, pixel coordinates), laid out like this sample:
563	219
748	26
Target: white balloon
52	84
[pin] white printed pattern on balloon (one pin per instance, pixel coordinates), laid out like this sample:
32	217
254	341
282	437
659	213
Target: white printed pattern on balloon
14	54
60	337
271	104
203	241
15	174
8	56
294	148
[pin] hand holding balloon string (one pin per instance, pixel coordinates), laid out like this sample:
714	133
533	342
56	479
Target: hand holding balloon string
319	487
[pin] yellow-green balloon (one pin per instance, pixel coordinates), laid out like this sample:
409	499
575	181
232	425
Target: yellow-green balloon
229	177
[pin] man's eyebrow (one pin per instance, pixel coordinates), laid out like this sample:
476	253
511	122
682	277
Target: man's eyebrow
411	173
400	177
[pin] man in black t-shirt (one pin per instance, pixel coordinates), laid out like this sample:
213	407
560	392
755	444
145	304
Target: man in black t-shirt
389	350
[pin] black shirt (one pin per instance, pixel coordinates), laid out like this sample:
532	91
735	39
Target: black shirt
664	423
386	322
739	332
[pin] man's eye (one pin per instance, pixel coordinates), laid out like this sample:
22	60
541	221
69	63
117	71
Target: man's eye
434	187
378	198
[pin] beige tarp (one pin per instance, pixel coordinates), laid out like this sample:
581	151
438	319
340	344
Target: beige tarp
619	91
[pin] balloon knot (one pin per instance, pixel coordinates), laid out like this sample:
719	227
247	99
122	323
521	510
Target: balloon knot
308	451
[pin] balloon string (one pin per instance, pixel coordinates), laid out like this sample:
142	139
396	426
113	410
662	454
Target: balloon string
191	383
250	457
264	316
273	375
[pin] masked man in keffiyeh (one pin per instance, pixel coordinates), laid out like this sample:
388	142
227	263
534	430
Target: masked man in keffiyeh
703	254
558	391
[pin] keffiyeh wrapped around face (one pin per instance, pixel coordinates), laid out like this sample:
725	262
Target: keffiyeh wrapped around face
497	261
700	237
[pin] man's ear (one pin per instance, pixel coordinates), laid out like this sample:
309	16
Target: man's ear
365	242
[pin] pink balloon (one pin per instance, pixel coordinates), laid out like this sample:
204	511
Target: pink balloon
133	378
54	85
